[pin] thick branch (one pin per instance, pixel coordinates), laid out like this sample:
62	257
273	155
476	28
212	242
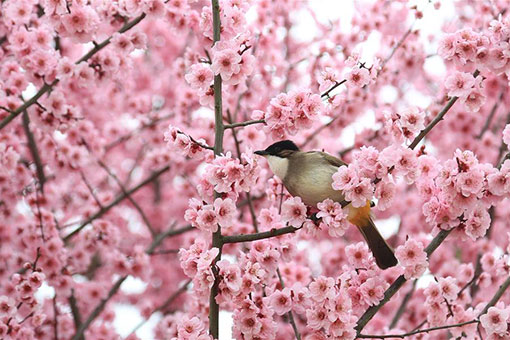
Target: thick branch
437	119
259	236
219	130
99	308
325	94
47	87
496	297
116	201
491	303
491	115
398	283
418	331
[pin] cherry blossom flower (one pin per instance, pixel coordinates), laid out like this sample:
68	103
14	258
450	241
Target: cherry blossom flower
495	320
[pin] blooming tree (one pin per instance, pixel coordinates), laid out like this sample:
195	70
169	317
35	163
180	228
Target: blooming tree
127	131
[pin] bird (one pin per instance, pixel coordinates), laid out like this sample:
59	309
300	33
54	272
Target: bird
308	175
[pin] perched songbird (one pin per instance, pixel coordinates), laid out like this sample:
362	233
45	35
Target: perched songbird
309	176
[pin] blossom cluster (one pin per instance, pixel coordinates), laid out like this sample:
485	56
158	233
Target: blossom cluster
287	113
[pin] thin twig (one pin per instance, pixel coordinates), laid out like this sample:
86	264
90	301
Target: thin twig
418	331
116	201
249	122
291	316
99	308
219	130
91	189
197	142
248	194
168	302
499	293
34	151
55	317
326	94
397	46
491	115
124	191
169	233
75	312
403	306
133	133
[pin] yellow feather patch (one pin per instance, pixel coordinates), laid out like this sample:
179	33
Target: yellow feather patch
359	216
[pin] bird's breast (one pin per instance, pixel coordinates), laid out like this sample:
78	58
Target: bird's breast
312	184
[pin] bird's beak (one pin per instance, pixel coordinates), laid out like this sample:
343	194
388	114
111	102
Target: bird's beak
261	152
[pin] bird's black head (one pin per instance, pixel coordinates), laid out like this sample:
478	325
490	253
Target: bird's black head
281	149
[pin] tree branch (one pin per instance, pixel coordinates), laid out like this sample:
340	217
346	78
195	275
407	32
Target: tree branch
168	302
169	233
214	309
116	201
128	196
403	306
491	115
418	331
398	283
326	94
99	308
437	119
75	312
34	151
259	236
249	122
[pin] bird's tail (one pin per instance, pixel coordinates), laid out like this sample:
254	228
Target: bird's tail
384	256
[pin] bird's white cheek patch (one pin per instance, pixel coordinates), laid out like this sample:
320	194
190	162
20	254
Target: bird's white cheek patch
278	165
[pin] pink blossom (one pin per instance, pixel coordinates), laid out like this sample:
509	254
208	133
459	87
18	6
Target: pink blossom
294	211
459	84
316	318
345	178
190	328
200	76
281	301
7	306
495	320
449	288
360	193
358	77
207	219
372	291
412	120
506	134
474	100
231	275
358	255
411	253
225	211
226	63
321	287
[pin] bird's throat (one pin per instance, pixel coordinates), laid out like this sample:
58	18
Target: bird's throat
278	165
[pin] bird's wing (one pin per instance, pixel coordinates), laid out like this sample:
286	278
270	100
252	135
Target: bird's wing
331	159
